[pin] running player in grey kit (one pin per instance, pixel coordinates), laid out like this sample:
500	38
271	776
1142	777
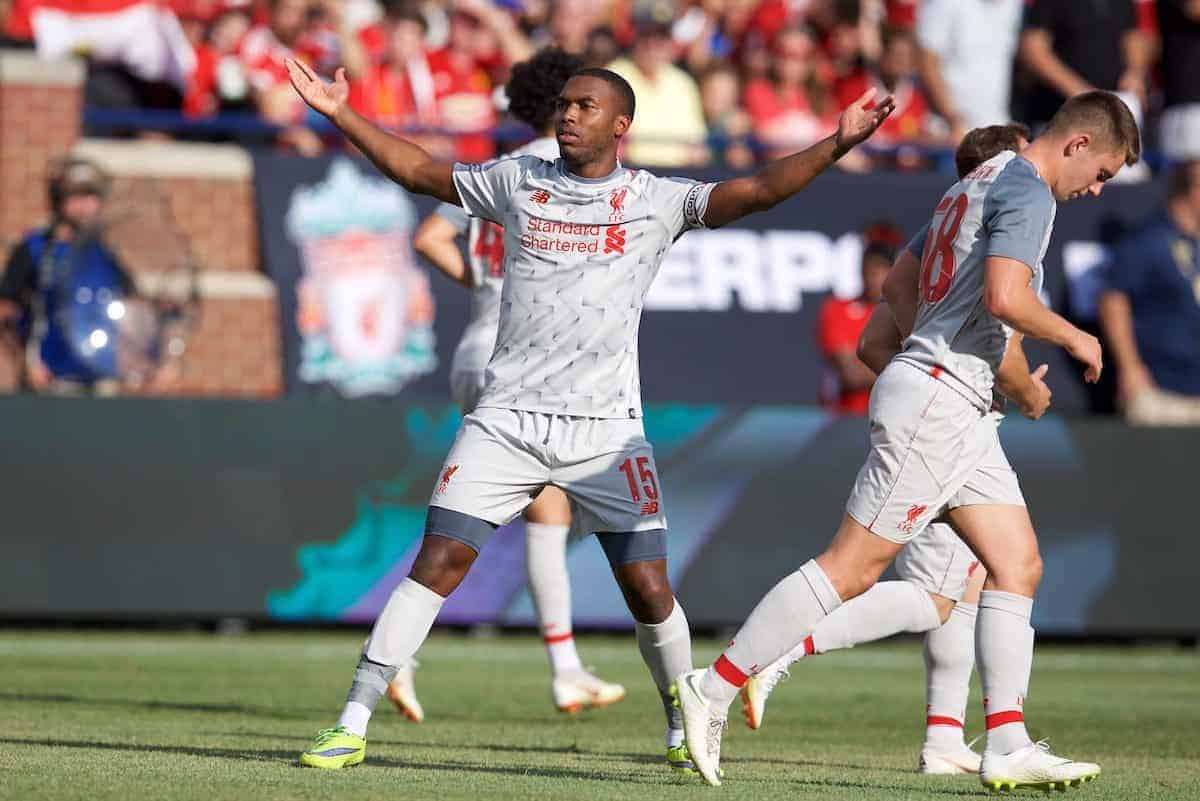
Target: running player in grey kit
583	239
935	450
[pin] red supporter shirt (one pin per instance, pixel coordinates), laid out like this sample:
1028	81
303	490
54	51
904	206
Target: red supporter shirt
906	123
839	325
464	99
784	119
200	97
396	98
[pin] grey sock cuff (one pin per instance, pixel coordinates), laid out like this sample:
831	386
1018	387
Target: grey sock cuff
371	681
821	586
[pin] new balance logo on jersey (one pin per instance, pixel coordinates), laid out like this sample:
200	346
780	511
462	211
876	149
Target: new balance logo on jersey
614	240
910	520
541	196
616	199
447	474
649	508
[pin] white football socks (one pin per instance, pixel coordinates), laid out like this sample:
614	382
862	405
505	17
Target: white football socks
1004	648
783	618
398	633
550	588
888	608
949	660
666	648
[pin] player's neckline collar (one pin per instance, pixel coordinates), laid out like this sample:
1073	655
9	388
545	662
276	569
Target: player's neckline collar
562	169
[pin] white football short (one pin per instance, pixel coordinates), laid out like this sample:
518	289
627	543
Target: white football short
503	457
938	561
931	450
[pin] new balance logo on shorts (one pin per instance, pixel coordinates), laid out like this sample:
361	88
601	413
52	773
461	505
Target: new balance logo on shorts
447	474
650	508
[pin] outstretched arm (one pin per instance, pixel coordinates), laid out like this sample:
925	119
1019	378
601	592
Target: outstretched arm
779	180
398	159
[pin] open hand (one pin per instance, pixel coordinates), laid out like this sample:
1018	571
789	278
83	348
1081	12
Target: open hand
327	98
862	118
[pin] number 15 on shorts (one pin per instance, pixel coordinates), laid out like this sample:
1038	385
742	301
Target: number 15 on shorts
641	483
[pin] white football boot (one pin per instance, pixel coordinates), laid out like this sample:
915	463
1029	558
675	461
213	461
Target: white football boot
403	693
1034	766
758	688
936	761
577	689
702	728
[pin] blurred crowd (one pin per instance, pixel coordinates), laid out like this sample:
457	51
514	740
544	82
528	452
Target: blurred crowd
718	81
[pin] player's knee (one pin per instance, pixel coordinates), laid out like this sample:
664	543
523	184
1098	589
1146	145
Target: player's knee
647	590
441	564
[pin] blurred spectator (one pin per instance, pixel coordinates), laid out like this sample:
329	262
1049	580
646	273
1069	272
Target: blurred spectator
571	23
263	51
15	30
602	47
699	32
215	28
1069	47
668	125
794	107
896	73
1150	313
846	385
1179	23
728	124
966	59
56	289
396	87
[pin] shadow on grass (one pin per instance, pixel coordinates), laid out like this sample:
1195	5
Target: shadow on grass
170	706
608	776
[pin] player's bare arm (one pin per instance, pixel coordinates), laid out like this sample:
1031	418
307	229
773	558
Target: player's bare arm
733	199
1023	387
880	340
401	160
1009	298
437	240
900	291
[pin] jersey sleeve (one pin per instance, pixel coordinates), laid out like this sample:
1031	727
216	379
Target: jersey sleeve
485	188
916	245
1017	213
681	201
455	215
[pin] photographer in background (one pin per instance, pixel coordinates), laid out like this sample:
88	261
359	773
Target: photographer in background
60	296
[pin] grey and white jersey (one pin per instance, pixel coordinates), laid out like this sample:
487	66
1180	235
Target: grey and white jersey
485	260
1004	209
579	256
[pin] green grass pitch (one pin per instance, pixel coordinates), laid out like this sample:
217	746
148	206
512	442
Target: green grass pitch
179	716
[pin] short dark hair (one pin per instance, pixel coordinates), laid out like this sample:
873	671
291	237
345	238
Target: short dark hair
535	85
981	144
619	85
405	11
1184	178
1106	117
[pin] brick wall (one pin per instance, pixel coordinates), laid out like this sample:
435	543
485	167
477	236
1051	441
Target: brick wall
172	198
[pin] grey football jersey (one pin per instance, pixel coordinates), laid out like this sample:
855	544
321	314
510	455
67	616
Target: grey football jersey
485	260
579	256
1004	209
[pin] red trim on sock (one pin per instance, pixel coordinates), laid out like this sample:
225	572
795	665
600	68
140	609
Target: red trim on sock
1003	718
939	720
557	638
810	648
729	671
